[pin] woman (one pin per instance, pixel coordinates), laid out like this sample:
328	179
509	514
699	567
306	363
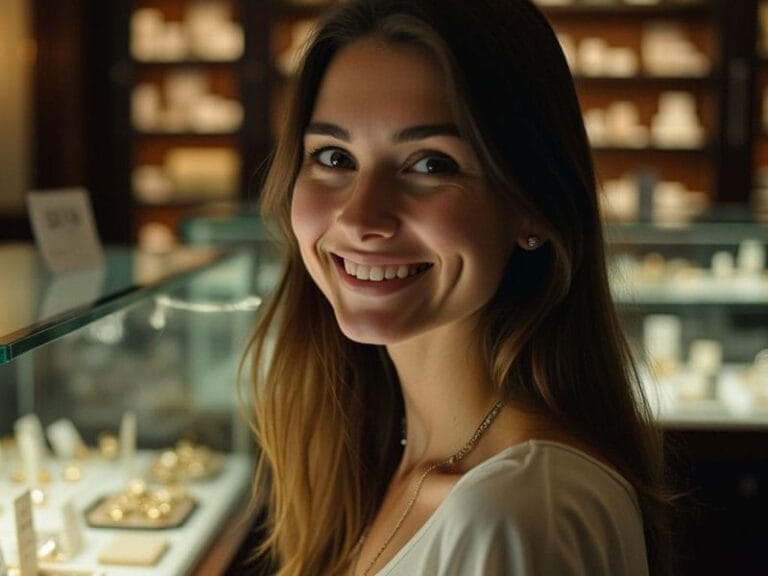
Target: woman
449	391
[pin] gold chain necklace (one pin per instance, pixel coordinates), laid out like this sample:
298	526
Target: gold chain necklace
448	463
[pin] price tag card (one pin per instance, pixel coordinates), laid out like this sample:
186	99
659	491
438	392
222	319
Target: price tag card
25	535
3	565
62	222
128	443
72	534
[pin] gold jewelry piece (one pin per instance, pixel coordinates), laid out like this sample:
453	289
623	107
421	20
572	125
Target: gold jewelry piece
72	473
447	463
18	476
187	462
109	446
139	507
533	242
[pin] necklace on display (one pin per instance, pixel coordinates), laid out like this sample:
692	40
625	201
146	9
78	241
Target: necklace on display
450	462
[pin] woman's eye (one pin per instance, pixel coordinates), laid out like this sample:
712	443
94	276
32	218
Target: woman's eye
435	165
333	158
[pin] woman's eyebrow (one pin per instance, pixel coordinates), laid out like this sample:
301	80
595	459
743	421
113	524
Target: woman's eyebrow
426	131
409	134
327	129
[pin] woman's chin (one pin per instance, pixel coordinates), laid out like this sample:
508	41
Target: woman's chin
371	330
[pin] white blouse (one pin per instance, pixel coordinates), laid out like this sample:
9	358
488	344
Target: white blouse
539	508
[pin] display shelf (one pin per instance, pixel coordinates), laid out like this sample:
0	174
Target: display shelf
186	63
613	9
303	9
686	235
191	203
667	150
39	307
198	137
594	80
697	290
733	404
689	250
217	499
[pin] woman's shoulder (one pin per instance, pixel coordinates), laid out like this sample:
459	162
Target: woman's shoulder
545	507
541	475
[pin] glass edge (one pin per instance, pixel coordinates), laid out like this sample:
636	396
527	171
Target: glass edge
12	348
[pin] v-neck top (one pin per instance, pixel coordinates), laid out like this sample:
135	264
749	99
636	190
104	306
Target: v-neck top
535	508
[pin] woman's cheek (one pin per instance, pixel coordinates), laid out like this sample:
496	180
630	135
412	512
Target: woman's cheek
305	218
309	223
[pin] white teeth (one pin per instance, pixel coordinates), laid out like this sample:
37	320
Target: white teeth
380	273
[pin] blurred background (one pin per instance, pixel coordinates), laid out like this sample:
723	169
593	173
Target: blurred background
162	107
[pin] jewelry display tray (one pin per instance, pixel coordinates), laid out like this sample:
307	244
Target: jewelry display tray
217	499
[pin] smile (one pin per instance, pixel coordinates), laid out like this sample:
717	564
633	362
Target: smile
383	273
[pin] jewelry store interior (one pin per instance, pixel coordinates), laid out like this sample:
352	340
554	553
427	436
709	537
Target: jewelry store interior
120	412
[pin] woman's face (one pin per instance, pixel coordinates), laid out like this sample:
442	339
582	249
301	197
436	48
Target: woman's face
393	215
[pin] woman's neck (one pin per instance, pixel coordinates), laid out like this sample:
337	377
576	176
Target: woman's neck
447	393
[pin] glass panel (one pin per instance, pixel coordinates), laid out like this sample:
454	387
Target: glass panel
36	307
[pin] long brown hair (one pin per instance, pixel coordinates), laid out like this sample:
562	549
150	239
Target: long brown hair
328	410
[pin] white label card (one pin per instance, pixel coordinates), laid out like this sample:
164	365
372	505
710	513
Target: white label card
30	456
72	536
128	442
66	236
25	535
3	566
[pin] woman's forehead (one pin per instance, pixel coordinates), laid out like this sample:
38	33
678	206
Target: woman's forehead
399	81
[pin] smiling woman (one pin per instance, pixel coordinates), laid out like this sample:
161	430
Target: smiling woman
449	391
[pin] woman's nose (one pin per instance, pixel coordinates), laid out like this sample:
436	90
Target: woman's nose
369	211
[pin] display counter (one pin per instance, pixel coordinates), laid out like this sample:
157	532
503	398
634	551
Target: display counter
105	371
693	300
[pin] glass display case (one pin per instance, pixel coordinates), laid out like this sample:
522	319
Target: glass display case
694	301
120	412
